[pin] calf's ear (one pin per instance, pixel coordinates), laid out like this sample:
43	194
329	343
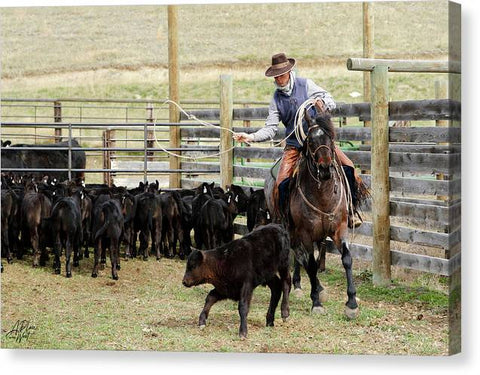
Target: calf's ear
196	255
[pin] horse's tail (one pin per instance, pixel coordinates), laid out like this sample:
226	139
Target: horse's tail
362	193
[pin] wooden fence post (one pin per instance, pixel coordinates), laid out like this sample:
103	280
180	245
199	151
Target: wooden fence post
173	93
381	258
107	176
150	135
368	28
226	122
57	117
441	92
367	47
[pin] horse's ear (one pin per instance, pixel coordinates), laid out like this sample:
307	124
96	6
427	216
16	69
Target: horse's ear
309	119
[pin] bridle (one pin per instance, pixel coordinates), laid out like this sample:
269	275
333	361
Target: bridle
320	146
311	161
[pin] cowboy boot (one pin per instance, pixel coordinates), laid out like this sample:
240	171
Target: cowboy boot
284	193
354	219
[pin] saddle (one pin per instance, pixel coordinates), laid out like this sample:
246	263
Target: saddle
274	169
276	166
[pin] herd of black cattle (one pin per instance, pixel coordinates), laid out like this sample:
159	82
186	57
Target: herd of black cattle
75	217
47	214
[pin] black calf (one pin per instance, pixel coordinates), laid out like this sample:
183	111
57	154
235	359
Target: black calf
66	224
110	221
237	268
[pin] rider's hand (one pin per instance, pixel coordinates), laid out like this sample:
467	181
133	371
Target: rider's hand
320	106
243	137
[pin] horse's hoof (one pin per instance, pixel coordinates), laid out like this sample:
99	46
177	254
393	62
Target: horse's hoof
118	267
298	292
76	264
115	277
318	310
202	326
285	319
351	313
323	296
94	275
69	274
57	272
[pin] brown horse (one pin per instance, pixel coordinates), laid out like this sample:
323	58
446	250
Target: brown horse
318	208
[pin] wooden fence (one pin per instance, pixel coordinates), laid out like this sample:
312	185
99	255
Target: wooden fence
421	210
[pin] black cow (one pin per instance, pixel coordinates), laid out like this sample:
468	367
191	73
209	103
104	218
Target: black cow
111	229
187	224
256	202
127	202
237	268
66	224
96	224
172	228
240	198
263	218
35	207
15	219
203	193
148	221
84	198
9	208
214	224
43	159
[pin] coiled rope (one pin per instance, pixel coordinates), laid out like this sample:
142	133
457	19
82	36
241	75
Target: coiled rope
298	130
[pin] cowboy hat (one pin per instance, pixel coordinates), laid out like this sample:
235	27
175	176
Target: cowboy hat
280	65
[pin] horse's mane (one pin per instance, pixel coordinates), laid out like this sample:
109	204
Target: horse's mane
325	122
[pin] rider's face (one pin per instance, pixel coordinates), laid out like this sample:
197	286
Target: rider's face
283	79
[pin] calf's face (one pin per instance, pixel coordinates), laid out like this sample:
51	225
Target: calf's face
195	269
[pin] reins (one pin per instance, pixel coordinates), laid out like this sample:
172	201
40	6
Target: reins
344	185
330	215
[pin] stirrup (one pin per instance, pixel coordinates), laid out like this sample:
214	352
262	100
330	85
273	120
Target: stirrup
354	220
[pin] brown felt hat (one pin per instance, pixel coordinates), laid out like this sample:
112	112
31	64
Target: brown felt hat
280	65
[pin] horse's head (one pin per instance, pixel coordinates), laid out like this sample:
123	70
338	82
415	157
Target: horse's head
319	146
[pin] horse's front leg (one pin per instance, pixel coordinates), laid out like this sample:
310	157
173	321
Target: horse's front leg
316	287
297	287
351	307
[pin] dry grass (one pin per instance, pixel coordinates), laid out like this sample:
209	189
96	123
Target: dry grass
59	39
149	309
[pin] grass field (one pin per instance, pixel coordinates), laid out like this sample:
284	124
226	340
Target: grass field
149	309
121	52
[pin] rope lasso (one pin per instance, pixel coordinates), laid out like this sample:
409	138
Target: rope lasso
190	117
299	115
298	129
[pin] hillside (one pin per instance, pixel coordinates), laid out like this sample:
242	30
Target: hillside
90	51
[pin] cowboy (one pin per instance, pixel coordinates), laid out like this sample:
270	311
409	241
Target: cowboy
290	93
